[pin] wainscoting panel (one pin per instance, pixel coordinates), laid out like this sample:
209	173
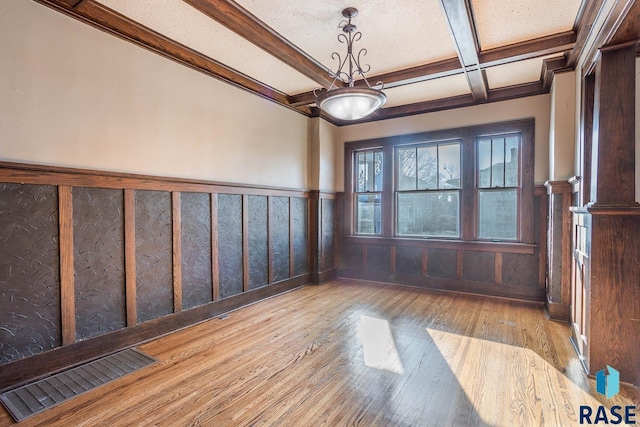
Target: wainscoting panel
94	262
327	221
29	271
154	267
230	244
441	263
258	242
300	235
351	257
478	266
197	285
379	258
280	236
409	260
98	242
519	269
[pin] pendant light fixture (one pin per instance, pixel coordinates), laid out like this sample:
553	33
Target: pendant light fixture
350	102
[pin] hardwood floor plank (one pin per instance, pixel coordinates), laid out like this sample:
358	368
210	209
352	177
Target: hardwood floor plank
352	353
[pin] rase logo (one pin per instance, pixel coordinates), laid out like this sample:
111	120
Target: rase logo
609	386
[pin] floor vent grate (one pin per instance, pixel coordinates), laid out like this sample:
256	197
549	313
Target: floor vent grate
33	398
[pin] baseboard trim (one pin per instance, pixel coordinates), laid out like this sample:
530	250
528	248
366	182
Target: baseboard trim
557	311
325	276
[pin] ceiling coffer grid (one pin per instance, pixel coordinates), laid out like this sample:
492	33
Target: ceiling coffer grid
431	55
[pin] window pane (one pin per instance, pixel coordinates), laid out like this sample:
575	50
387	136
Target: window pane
498	211
449	165
370	168
432	214
497	163
361	184
406	169
484	163
428	168
368	214
511	166
377	171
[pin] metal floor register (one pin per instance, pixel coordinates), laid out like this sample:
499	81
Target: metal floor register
34	398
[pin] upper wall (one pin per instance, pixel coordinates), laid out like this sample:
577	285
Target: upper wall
537	107
562	127
328	142
322	145
71	95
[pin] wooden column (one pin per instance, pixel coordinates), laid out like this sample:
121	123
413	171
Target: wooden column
320	268
558	285
612	261
613	142
315	236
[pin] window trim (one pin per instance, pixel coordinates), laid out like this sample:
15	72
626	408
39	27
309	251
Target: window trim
468	191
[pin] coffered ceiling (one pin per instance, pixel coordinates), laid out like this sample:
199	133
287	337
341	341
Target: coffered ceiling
430	54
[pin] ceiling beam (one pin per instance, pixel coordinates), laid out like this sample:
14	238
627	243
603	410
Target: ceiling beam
420	73
543	46
619	26
494	95
108	20
462	27
529	49
550	67
239	20
586	17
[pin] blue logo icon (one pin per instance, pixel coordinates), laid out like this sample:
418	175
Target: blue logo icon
609	385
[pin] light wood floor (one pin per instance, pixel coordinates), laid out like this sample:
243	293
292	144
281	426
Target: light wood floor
352	353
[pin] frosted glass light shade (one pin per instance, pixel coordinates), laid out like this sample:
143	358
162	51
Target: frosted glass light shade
351	103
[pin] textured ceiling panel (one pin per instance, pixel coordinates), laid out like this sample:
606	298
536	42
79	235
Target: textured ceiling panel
396	33
184	24
501	22
515	73
428	90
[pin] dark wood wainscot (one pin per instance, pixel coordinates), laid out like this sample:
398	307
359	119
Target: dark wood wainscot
93	262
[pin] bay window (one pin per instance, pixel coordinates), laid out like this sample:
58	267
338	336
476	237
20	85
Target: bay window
466	184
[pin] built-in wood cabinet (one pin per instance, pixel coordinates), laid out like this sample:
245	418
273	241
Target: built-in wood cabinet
580	287
605	312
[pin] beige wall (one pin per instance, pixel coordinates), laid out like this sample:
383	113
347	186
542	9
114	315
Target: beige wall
71	95
562	136
322	144
535	106
328	142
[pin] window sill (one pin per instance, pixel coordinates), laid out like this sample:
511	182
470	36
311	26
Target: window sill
473	245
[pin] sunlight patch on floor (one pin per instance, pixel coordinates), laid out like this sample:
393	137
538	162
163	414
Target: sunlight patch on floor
509	385
378	345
